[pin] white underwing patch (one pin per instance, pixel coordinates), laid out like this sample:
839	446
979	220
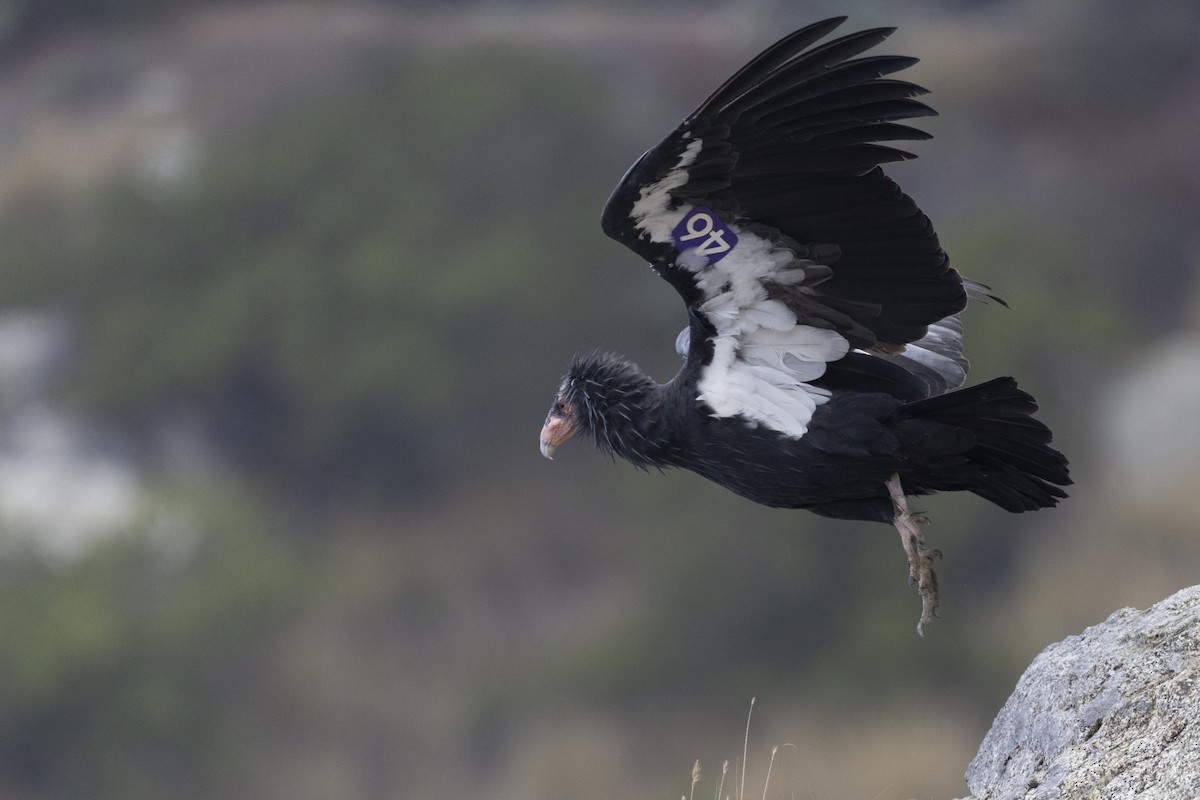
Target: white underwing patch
652	212
762	359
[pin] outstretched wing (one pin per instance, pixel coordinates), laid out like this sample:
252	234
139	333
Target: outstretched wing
769	213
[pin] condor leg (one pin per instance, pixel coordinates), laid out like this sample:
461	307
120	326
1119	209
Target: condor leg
920	559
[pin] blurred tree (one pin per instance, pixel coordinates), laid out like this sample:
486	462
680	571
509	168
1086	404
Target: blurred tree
126	673
339	299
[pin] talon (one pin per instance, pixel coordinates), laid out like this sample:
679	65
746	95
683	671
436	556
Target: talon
920	558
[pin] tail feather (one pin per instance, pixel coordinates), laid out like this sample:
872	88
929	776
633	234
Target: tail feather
1011	462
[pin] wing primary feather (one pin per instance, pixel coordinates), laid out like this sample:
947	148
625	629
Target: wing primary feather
864	74
771	59
878	111
863	134
800	103
859	157
810	64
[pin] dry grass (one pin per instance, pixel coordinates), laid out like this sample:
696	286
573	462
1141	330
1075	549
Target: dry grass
741	787
885	757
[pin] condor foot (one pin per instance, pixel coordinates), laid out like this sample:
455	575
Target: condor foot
920	558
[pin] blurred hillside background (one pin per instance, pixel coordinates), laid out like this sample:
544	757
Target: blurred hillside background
285	291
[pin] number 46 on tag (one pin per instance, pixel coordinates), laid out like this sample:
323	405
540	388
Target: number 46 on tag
703	232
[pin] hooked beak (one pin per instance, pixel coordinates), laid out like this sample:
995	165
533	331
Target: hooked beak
561	424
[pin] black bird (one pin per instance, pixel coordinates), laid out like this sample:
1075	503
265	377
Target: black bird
823	352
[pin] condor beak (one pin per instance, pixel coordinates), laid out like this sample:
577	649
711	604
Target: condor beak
560	426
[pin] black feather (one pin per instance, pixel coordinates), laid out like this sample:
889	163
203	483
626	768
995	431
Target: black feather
768	61
787	154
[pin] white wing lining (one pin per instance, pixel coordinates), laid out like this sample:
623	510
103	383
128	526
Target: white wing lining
650	211
762	359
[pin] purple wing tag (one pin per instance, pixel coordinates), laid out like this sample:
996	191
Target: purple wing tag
702	232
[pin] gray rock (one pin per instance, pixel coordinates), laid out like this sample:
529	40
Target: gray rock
1112	713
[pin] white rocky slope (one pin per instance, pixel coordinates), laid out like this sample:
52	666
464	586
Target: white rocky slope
1112	713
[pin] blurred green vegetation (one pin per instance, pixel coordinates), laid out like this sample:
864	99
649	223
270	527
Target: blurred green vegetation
353	305
126	671
326	296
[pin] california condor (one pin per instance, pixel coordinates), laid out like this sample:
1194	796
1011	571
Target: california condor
823	353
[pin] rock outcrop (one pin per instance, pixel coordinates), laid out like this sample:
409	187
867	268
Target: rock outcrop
1112	713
